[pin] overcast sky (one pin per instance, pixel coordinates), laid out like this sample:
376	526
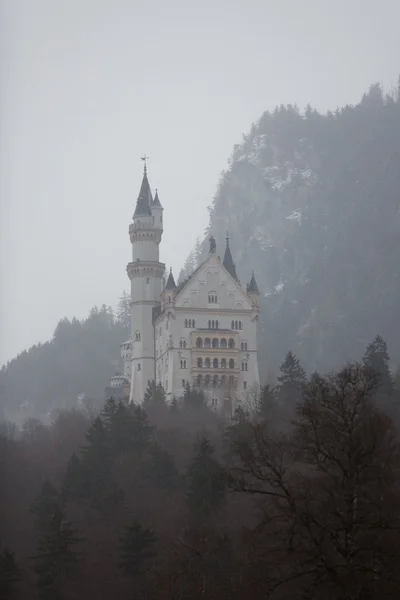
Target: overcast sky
88	86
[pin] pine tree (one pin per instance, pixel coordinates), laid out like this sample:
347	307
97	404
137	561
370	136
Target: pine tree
55	556
205	490
292	379
141	429
376	358
154	396
124	310
45	505
161	469
10	575
73	483
193	398
97	461
174	406
136	548
266	403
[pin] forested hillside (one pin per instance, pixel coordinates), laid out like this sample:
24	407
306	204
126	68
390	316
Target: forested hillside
79	360
172	502
312	204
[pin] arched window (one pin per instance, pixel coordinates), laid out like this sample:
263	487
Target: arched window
215	381
181	344
236	324
244	384
231	363
199	342
240	324
209	298
209	324
199	380
231	343
233	325
242	346
213	324
138	336
186	322
215	343
214	402
223	380
223	343
215	363
183	383
207	343
242	366
216	324
207	363
200	362
194	323
223	363
207	380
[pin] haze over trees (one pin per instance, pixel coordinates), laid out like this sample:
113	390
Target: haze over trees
295	497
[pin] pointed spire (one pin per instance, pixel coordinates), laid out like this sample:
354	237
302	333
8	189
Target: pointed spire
156	202
145	197
228	260
171	285
252	288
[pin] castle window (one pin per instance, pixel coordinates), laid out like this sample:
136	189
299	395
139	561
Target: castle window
231	363
244	384
231	343
148	280
182	344
183	364
207	380
138	367
186	322
199	343
216	324
207	343
215	381
240	324
199	380
233	325
223	380
200	362
236	324
194	323
209	324
223	343
215	363
215	343
183	383
223	363
214	402
138	336
207	363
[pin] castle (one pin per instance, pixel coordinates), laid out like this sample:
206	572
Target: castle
202	332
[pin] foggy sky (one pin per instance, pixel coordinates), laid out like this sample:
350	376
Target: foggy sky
88	86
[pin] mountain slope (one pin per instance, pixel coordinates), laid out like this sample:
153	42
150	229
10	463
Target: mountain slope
312	204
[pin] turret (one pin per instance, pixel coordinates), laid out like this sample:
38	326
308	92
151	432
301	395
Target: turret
157	212
145	272
170	289
253	291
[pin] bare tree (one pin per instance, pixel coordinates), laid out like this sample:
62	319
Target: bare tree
330	525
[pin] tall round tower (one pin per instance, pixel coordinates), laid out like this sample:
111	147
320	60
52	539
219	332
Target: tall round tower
145	272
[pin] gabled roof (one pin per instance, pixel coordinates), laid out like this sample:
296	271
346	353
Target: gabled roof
171	285
252	288
228	261
145	197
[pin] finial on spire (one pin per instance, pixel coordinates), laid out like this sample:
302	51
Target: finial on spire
145	158
227	238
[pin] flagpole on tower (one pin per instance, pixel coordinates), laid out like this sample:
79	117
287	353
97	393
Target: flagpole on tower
145	158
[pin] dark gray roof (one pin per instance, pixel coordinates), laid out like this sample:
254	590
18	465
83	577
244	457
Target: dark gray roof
253	287
228	261
171	285
156	201
145	197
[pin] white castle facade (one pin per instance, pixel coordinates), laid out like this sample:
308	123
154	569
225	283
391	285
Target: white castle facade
202	332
